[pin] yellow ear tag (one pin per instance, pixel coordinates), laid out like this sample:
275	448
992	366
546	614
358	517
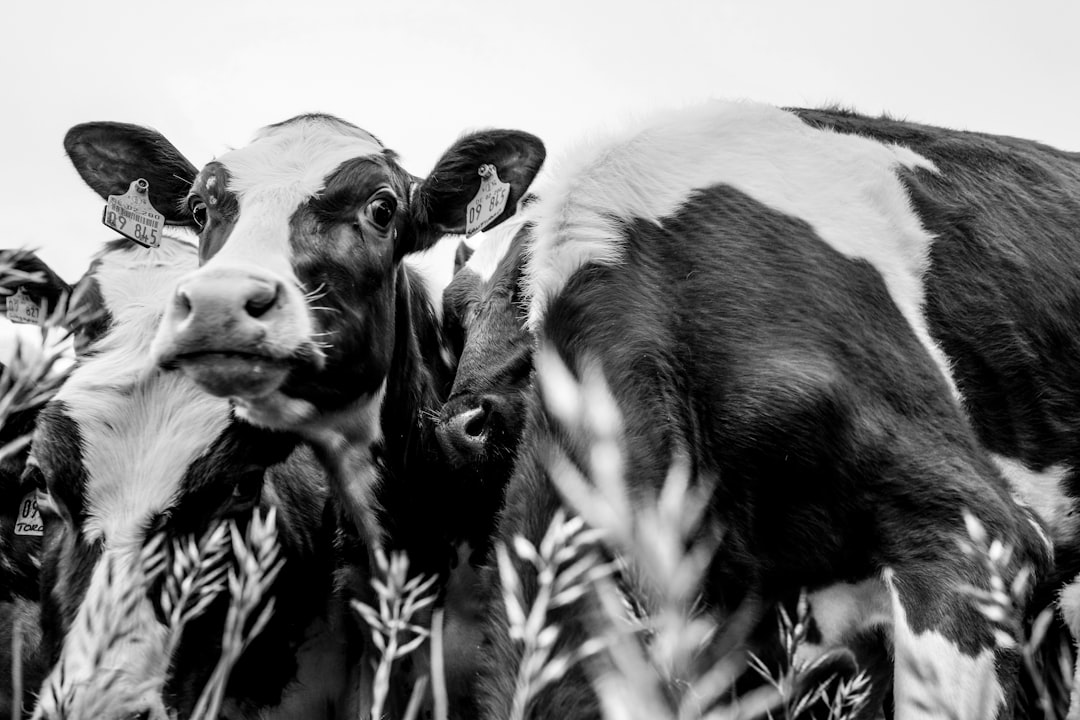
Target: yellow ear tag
489	202
132	215
21	308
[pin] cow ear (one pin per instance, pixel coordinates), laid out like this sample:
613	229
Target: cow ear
462	255
110	155
45	286
440	202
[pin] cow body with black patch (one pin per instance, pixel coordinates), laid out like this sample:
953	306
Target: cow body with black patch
754	289
122	454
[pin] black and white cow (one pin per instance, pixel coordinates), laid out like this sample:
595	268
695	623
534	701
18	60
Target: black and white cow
303	313
777	297
123	452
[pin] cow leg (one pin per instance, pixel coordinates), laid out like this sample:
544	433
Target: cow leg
1069	602
942	669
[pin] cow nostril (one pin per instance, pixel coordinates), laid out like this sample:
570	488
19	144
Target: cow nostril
182	302
261	299
141	715
476	424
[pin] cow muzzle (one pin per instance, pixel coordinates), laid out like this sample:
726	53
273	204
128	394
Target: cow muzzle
237	332
466	428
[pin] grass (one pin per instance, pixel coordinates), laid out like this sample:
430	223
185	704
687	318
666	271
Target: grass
641	562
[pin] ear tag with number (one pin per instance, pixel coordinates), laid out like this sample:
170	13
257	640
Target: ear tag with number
21	308
489	202
132	215
28	519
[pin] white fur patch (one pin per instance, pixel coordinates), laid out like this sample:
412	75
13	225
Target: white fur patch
436	266
845	610
933	678
844	186
1043	492
493	247
282	168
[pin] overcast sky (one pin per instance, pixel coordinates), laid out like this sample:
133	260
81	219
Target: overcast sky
419	72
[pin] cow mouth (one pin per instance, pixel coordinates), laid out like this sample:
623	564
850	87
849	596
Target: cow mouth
235	374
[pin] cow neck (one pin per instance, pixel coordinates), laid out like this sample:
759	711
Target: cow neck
381	449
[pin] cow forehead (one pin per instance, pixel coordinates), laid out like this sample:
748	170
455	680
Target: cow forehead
292	160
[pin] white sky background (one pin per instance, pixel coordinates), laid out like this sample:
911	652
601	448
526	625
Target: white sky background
417	73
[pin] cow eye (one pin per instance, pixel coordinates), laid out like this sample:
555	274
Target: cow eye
381	212
199	212
248	490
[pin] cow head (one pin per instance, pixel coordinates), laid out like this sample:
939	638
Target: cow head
301	233
121	454
485	315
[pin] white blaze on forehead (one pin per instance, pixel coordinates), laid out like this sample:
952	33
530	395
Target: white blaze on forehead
283	167
844	186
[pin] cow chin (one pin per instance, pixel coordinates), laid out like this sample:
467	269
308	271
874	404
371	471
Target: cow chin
235	375
275	410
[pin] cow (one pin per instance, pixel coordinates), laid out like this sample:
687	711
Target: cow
22	345
809	301
303	313
31	365
124	453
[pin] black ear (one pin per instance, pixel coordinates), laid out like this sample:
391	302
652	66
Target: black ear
440	202
462	255
41	282
110	155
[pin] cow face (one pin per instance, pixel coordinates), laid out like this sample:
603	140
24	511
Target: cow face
485	314
122	454
301	232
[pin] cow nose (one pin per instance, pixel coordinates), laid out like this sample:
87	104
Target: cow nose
464	433
229	297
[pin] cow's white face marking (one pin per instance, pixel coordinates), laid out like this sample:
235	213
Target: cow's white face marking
844	186
283	167
933	678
